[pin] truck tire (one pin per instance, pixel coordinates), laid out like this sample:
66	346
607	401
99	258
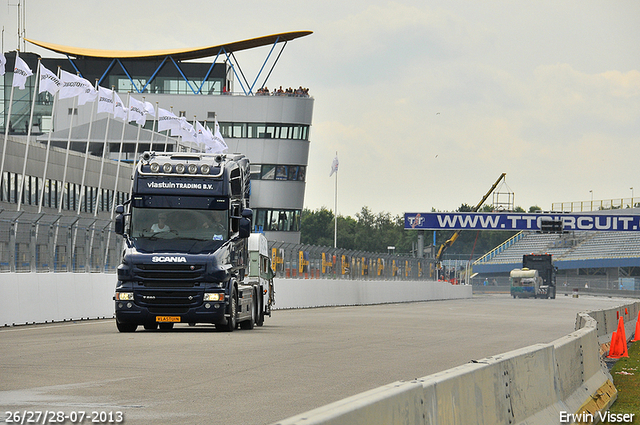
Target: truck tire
232	322
126	327
248	324
260	318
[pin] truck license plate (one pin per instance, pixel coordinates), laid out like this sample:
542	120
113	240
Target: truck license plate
167	318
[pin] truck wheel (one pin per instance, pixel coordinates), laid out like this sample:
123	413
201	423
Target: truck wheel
232	321
126	327
260	319
248	324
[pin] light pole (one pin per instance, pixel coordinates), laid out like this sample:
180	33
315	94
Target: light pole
632	205
591	192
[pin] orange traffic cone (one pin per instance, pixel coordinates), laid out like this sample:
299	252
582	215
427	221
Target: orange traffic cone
612	346
621	331
636	336
618	346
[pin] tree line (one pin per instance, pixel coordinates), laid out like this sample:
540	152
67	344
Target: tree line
375	232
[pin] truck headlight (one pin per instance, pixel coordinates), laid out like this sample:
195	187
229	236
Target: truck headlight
155	167
192	168
204	169
124	296
213	297
180	168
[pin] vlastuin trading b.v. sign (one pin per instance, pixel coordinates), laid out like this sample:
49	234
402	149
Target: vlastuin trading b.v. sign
521	221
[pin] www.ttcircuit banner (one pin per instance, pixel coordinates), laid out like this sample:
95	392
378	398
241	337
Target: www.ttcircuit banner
519	221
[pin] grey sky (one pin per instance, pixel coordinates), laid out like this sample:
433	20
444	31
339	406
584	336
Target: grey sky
425	102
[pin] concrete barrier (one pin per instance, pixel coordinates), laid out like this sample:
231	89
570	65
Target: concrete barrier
56	297
565	381
304	293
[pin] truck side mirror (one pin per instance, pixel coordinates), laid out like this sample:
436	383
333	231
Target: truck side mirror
119	222
245	223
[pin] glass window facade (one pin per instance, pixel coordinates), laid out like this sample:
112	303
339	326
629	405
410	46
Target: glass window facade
278	172
264	131
10	187
276	220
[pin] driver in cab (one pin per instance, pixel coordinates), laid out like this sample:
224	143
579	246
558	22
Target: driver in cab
161	225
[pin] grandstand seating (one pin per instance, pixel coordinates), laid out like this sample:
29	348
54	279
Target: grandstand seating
574	246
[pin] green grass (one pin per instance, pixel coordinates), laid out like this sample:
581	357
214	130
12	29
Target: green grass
626	378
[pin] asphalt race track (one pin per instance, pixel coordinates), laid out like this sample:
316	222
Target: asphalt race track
299	360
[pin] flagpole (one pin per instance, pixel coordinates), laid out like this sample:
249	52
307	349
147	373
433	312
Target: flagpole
166	136
335	209
135	155
194	127
7	124
166	139
115	186
46	158
104	152
26	152
66	157
86	151
153	128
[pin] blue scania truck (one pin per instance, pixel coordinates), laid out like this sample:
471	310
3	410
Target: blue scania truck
185	254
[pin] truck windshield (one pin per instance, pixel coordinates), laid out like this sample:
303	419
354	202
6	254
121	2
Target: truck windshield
187	224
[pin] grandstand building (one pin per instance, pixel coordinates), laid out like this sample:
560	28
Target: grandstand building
609	260
272	130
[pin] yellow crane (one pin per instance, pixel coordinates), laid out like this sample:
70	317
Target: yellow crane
453	238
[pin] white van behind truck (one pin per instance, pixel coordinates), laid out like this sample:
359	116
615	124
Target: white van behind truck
261	274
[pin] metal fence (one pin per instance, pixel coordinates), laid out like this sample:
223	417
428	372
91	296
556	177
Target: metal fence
315	262
31	242
38	242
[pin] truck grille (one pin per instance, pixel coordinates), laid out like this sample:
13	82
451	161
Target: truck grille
166	275
168	299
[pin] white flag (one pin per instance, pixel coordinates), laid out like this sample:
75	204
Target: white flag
187	131
334	166
149	109
137	111
20	73
119	110
167	120
90	94
201	135
72	85
3	62
105	100
48	81
218	140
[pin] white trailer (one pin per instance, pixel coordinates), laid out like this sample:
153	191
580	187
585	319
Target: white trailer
261	275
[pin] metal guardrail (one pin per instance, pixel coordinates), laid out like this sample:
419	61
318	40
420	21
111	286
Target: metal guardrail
605	204
315	262
37	242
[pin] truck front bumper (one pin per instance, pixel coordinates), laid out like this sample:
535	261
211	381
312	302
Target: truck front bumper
207	312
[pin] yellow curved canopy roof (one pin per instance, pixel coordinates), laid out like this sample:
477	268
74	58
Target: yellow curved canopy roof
177	54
